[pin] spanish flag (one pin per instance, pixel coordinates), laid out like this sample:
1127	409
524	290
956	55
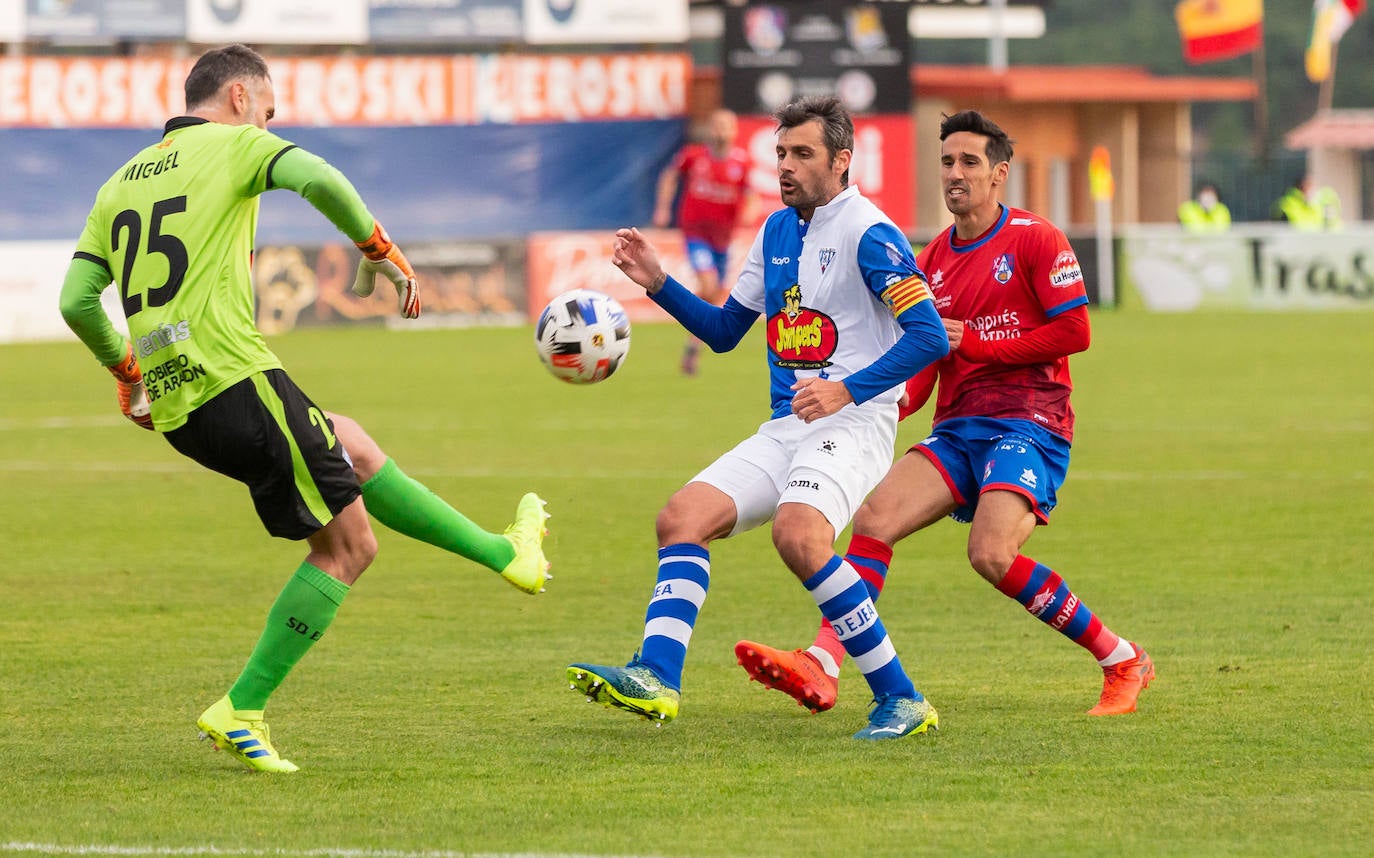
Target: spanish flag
1330	20
1219	29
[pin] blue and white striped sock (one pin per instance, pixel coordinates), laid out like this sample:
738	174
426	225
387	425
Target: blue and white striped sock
843	599
684	574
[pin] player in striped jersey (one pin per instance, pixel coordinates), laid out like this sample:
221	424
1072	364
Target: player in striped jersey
847	313
1011	293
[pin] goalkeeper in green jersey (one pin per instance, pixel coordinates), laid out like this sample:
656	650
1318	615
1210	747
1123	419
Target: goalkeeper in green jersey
174	228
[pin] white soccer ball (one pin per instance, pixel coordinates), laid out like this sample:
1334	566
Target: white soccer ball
582	336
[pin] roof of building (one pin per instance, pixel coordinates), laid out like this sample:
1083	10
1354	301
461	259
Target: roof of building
1334	129
1076	84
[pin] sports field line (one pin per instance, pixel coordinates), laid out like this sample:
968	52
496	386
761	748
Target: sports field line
133	469
208	849
13	424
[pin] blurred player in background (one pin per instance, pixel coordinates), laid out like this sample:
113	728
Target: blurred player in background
174	227
1014	305
715	198
849	319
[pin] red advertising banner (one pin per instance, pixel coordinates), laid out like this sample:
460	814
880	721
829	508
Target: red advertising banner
113	92
561	261
883	165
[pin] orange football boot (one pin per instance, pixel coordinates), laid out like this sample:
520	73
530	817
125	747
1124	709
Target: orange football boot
796	673
1122	683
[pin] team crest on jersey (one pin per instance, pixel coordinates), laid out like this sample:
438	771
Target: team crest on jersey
827	256
799	337
1065	271
1002	268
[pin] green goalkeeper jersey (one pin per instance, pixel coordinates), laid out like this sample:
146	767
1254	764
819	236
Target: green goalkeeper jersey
174	229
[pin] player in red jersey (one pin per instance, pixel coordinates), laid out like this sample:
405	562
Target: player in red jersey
1011	293
715	198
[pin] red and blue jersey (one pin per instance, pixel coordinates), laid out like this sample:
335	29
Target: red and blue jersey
1002	285
713	190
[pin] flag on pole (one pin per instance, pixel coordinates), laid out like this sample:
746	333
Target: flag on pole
1219	29
1330	20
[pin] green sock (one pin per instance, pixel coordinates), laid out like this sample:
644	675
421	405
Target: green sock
409	508
298	618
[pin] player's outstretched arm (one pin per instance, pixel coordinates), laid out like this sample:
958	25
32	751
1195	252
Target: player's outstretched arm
721	328
330	192
637	259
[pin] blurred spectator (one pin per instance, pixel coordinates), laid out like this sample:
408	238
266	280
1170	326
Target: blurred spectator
1205	212
1307	207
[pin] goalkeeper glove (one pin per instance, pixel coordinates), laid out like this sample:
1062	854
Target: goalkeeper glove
380	256
133	398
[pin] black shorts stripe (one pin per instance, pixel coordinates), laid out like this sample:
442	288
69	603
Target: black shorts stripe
285	451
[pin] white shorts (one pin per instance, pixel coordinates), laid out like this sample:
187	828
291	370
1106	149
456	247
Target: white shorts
831	464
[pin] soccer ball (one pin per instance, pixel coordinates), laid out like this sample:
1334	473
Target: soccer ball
582	336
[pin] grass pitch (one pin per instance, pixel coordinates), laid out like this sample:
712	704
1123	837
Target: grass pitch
1217	511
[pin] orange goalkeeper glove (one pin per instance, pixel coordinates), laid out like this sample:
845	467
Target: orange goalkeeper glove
133	398
380	256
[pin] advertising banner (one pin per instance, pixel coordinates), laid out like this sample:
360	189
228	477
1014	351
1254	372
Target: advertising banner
571	22
1259	268
432	182
96	19
11	22
466	21
462	284
113	92
857	51
29	292
882	166
323	22
561	261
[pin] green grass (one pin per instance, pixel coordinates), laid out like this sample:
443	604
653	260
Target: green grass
1217	510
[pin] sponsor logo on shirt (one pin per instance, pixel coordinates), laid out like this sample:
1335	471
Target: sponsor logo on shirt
1005	325
1002	268
799	337
161	337
1065	271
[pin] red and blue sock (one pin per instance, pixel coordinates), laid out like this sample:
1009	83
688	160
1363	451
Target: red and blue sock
1045	595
